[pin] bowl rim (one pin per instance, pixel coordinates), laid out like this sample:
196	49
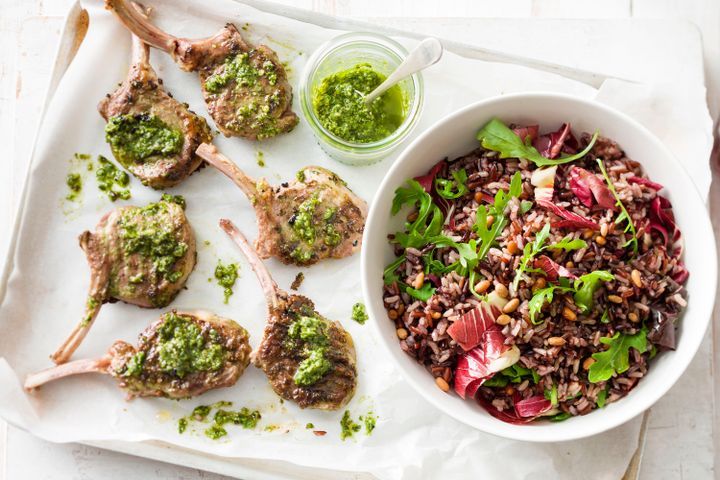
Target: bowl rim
495	426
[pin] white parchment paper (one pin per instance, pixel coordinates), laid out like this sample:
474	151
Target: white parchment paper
45	292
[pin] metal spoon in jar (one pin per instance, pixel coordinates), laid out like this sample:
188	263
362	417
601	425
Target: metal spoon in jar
427	53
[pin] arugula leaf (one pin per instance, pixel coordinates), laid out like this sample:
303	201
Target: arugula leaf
601	398
616	358
525	206
536	303
529	252
568	244
419	230
452	189
515	373
560	417
623	216
487	235
424	293
605	317
389	275
552	395
497	136
586	285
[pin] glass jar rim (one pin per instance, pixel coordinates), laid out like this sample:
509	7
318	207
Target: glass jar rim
389	46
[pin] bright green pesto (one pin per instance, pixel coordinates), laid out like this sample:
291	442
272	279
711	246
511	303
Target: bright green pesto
359	314
226	275
369	419
339	105
148	234
309	333
111	180
74	183
134	138
348	427
134	366
239	69
179	199
303	220
182	348
245	417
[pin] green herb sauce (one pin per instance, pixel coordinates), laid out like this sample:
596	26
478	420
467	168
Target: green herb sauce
309	426
179	199
134	366
74	183
182	348
111	180
148	233
370	419
310	333
134	138
359	314
303	221
239	69
348	427
339	104
226	276
245	417
260	157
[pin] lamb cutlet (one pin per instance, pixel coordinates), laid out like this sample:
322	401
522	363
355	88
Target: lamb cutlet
301	222
150	133
138	255
245	87
181	355
307	358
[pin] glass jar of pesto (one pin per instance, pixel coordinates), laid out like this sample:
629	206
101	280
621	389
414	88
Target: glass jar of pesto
335	80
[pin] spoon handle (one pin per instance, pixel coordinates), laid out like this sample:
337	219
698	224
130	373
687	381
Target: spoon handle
427	53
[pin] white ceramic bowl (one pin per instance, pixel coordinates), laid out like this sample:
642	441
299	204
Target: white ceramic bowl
454	136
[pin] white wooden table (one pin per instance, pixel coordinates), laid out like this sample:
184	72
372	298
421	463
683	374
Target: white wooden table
674	433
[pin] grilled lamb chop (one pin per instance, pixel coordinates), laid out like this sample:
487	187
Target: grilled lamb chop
181	355
303	221
138	255
245	87
150	133
307	358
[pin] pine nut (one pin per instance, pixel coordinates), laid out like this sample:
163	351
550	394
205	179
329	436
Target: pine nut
569	314
412	216
511	306
604	229
556	341
419	280
478	197
512	247
489	221
501	290
402	333
540	283
482	286
600	240
509	390
392	314
633	317
436	315
569	264
587	234
503	319
588	362
442	384
615	299
636	278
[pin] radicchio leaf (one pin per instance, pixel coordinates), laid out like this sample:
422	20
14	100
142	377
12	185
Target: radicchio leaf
551	144
507	416
681	274
524	133
427	181
468	330
532	407
662	327
646	182
474	366
552	269
583	183
662	220
434	279
570	219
